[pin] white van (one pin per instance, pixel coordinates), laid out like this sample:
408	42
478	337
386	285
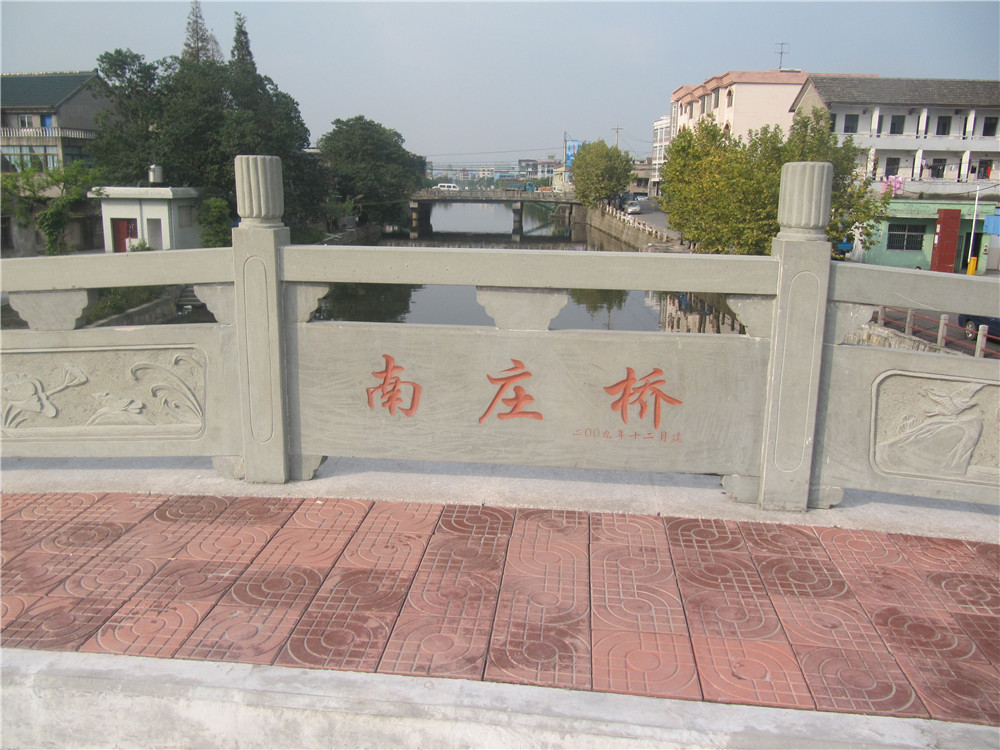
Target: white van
446	186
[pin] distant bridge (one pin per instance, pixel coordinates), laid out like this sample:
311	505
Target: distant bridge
422	201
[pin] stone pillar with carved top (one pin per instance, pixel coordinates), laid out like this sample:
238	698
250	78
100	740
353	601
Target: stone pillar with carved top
257	260
797	330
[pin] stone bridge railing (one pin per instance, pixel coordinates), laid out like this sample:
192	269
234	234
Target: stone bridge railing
787	415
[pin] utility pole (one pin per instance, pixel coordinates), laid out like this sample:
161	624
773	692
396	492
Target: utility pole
781	53
616	135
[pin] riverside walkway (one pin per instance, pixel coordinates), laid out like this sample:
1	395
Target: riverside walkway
706	624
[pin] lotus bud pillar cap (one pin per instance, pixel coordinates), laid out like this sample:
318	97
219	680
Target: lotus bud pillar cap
260	198
804	201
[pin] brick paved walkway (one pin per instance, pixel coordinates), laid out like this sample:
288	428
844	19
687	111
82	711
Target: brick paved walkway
704	610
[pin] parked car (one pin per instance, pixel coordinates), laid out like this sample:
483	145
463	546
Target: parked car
971	325
633	207
446	186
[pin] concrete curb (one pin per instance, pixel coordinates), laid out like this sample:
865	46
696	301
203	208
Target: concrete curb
54	699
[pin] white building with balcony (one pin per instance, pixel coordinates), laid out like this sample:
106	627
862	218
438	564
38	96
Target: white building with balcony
938	135
661	140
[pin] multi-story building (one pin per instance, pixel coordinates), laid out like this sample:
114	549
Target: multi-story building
661	139
934	143
739	101
47	118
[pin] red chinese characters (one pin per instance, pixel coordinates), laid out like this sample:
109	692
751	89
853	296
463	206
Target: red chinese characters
392	389
632	391
518	401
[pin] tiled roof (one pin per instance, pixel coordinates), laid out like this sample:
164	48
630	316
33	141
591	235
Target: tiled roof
41	89
935	92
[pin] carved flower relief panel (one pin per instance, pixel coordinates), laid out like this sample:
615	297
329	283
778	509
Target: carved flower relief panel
936	427
105	391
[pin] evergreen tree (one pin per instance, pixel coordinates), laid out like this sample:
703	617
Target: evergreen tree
200	44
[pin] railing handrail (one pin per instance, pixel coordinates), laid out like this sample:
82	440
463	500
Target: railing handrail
47	133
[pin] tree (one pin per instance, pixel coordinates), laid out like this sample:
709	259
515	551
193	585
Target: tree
48	199
721	193
600	172
200	44
193	114
369	165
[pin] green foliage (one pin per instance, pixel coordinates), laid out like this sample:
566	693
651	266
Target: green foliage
48	199
117	300
194	113
369	166
721	193
200	44
216	226
600	172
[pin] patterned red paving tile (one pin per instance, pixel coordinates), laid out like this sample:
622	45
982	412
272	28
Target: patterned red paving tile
437	647
989	555
402	551
629	530
236	544
191	581
526	557
771	539
837	623
57	623
189	509
363	590
110	577
956	691
932	554
18	536
934	636
723	571
532	654
12	502
880	585
641	663
55	506
295	545
755	673
324	640
984	630
154	539
853	548
288	587
148	627
460	552
634	564
122	507
864	682
634	589
806	577
476	520
729	614
966	592
39	572
12	605
261	512
330	514
240	634
78	537
543	527
704	535
453	594
400	518
552	600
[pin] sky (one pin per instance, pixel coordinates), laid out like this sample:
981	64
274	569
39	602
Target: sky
470	83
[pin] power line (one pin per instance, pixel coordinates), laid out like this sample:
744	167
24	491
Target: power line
553	149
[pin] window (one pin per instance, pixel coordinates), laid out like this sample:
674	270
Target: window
906	237
715	99
944	125
937	167
891	166
39	158
26	121
850	123
833	122
990	126
729	98
46	121
878	127
896	124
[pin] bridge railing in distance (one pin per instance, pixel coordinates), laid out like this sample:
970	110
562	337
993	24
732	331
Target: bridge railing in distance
789	415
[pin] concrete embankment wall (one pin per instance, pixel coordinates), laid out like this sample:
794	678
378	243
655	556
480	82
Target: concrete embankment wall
638	238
